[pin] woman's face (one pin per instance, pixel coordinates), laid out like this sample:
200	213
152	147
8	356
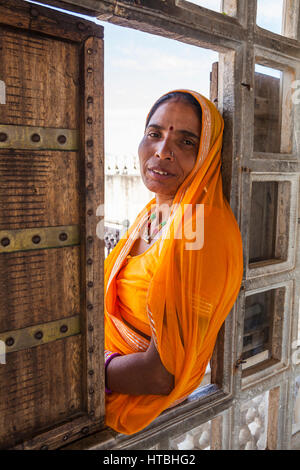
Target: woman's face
170	146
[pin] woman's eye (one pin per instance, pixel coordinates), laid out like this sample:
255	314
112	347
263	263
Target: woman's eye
188	142
153	134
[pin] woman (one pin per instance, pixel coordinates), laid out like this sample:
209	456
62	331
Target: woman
173	278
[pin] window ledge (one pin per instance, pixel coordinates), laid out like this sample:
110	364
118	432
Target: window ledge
200	406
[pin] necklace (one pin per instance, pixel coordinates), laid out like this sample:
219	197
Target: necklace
147	236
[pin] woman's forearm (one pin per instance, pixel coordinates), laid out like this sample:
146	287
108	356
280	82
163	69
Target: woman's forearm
139	374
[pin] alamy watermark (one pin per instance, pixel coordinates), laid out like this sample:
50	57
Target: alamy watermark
188	226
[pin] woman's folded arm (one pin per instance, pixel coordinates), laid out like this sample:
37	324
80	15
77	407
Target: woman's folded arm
139	373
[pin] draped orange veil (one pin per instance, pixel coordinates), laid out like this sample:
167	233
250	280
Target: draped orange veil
194	286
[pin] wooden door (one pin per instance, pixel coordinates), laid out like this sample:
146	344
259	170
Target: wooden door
51	183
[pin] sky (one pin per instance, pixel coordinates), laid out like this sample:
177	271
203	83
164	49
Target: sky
269	14
140	67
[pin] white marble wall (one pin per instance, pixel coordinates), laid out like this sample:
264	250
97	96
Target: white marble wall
254	423
296	414
125	192
198	438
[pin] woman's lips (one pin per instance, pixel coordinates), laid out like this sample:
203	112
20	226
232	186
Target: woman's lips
158	176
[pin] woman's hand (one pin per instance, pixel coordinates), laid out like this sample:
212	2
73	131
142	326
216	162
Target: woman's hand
139	374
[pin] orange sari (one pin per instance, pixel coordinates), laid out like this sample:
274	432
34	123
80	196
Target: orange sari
194	285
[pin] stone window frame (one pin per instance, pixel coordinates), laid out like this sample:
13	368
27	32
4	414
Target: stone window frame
269	267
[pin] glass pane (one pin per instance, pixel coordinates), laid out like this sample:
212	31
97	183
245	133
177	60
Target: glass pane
269	223
267	111
263	220
269	15
254	423
257	325
262	335
210	4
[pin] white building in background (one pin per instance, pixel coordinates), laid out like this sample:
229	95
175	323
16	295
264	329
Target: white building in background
125	192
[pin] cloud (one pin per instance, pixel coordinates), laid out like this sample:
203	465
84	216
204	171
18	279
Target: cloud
155	60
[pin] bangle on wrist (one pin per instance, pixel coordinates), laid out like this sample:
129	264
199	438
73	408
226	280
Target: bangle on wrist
108	355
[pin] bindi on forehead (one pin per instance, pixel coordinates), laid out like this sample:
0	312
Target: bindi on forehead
171	128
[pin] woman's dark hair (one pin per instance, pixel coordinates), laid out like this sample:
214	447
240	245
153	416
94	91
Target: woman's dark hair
187	97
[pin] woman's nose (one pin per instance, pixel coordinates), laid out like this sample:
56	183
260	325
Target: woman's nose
164	151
